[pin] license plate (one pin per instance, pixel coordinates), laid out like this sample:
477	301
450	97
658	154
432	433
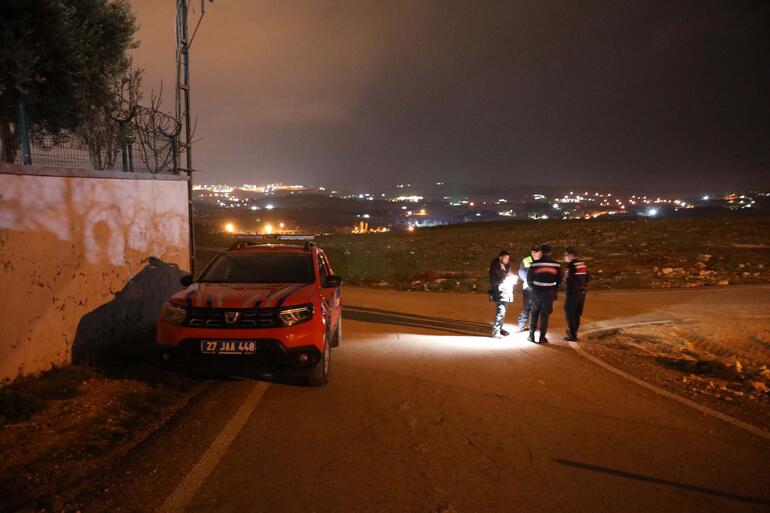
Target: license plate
228	346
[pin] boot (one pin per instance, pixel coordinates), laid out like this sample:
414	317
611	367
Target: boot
542	339
531	337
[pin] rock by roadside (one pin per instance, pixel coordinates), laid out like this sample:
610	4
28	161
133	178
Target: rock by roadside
696	361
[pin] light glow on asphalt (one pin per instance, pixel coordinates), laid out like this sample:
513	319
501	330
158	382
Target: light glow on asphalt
444	344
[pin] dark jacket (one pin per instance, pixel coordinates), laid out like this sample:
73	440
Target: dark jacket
497	274
544	277
577	277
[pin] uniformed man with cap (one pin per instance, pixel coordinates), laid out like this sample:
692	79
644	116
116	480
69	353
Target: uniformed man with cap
526	293
543	278
575	288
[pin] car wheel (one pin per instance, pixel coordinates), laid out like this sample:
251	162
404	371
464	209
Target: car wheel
337	338
319	376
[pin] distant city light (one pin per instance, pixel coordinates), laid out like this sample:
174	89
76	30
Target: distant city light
411	198
230	228
267	229
706	198
652	212
269	206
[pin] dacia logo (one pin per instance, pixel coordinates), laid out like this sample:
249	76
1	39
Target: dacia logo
232	317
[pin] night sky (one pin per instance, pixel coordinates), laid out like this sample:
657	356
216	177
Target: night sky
606	94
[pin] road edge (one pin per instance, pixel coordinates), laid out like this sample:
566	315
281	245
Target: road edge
659	391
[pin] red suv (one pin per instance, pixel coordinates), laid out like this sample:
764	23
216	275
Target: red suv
260	306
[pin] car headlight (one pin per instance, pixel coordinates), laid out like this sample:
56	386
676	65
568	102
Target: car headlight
296	314
174	314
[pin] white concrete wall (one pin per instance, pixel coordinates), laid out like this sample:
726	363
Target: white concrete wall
70	240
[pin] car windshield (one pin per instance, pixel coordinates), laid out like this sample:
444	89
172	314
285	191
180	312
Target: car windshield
260	268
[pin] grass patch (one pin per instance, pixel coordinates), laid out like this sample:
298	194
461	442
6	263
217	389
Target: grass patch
28	395
630	253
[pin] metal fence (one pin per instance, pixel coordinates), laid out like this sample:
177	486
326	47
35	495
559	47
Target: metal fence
128	149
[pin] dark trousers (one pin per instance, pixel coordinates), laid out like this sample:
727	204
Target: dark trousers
542	306
573	309
526	309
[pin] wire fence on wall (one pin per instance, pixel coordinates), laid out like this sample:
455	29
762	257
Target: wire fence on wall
128	148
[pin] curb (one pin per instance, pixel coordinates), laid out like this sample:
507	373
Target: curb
659	391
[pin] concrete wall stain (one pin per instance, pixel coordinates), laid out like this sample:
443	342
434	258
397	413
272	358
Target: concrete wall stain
68	245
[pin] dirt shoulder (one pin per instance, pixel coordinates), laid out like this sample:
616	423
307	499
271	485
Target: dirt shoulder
723	367
62	427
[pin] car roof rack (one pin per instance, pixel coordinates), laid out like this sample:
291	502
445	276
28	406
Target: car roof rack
251	239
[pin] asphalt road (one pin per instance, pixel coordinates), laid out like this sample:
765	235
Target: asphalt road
423	414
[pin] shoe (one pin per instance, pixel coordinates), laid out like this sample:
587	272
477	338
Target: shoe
531	337
570	338
504	333
542	340
521	329
497	335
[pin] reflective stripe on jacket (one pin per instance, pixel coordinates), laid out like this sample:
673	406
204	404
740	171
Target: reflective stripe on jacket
544	276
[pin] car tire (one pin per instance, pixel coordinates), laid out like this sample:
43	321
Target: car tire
319	376
337	338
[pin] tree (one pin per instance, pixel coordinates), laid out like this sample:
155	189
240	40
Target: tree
106	129
60	59
156	132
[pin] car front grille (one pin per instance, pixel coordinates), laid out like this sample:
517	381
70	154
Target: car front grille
215	318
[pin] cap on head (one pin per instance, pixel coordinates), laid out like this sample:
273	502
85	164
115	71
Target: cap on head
536	247
503	253
545	248
571	251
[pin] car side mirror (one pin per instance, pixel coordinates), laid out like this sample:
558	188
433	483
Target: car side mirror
186	280
332	281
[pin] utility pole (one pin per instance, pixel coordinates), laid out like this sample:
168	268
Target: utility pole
183	43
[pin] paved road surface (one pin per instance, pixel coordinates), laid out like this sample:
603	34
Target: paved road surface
421	415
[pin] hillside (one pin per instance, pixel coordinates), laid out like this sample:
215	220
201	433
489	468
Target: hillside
621	254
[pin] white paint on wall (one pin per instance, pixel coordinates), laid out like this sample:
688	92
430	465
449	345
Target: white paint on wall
67	245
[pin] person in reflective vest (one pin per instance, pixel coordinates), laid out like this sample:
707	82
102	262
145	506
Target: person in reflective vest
526	293
576	285
543	277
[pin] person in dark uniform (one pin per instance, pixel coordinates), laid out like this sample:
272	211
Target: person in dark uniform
501	282
526	293
575	288
543	277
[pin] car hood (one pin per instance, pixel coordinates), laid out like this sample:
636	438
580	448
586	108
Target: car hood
243	295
